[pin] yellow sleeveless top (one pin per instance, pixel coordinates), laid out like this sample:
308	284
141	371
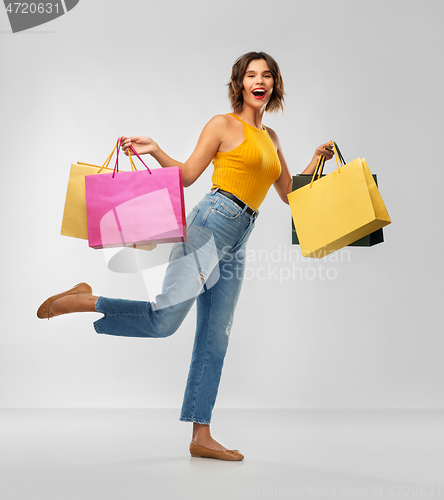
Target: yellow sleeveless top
249	170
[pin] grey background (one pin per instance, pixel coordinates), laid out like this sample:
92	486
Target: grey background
366	74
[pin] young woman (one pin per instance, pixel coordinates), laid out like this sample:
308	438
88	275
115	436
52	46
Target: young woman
247	159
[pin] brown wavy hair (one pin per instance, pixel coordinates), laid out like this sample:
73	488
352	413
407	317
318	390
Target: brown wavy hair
235	85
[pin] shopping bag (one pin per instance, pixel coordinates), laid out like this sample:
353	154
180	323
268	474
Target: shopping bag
337	209
367	241
74	222
136	208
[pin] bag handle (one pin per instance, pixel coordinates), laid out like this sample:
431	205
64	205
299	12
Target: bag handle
105	165
108	160
133	167
137	154
338	155
340	162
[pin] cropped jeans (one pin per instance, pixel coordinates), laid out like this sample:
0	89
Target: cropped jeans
209	268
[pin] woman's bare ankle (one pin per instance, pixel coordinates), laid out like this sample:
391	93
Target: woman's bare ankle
202	436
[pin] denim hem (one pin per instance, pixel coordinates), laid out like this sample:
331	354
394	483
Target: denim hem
97	305
195	420
97	308
96	325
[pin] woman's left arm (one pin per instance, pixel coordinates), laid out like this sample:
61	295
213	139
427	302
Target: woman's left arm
284	183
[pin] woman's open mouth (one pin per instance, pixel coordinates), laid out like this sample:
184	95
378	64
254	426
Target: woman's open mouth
259	93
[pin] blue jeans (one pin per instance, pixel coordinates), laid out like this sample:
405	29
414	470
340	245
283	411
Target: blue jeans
209	268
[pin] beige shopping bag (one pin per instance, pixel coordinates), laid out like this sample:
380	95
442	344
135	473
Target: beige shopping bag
74	214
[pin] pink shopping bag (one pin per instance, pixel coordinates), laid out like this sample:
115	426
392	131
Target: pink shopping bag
136	208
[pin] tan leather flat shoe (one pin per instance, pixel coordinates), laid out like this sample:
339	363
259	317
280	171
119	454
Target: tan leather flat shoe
199	451
43	310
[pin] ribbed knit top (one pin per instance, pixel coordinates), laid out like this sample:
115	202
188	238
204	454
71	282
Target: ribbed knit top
249	170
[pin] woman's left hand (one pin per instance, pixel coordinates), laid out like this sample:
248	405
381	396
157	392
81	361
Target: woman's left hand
324	150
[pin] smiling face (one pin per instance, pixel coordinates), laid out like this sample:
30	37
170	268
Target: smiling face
258	84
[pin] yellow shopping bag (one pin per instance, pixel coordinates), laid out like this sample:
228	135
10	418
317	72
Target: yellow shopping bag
74	222
338	208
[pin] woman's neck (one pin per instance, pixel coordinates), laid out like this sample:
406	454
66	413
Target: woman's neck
252	116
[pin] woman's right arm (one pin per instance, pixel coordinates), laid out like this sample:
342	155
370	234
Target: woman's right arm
205	150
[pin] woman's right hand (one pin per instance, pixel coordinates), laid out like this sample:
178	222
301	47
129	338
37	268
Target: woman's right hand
143	145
